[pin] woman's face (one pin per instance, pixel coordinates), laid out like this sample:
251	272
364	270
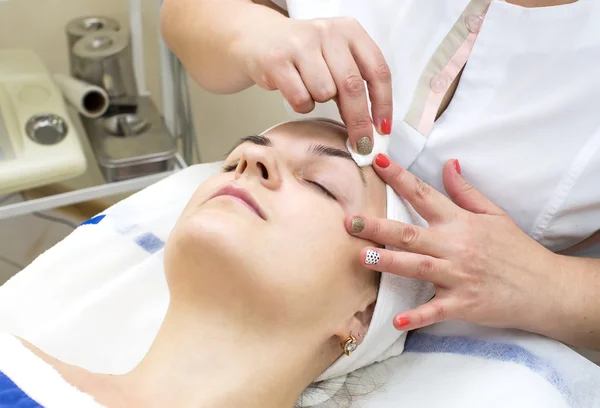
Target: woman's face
266	237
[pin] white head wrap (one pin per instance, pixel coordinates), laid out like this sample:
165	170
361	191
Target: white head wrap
396	294
382	341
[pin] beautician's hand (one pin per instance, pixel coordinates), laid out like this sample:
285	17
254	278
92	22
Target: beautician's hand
484	268
318	60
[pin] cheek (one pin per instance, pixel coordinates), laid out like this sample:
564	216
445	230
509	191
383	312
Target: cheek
316	232
310	252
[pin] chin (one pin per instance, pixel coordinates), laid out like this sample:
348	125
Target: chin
216	231
209	256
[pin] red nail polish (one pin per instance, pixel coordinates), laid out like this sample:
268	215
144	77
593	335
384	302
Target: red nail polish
457	167
386	126
382	161
403	322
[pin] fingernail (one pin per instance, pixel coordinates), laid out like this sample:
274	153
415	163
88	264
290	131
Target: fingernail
457	167
364	146
382	161
403	322
372	257
358	225
386	126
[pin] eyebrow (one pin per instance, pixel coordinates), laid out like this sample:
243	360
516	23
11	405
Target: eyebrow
314	149
329	151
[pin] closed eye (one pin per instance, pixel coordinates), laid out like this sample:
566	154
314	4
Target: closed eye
319	187
229	167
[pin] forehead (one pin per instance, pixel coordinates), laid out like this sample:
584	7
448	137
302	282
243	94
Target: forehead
313	131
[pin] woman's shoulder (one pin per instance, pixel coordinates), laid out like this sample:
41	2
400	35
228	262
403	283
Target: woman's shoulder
28	378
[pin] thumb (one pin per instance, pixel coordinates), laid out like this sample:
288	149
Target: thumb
464	194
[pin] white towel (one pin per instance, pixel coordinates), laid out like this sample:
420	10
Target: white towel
396	294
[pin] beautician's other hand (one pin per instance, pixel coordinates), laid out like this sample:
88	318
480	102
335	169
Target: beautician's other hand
312	61
484	268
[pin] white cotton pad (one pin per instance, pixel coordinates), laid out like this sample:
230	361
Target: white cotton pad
380	142
380	145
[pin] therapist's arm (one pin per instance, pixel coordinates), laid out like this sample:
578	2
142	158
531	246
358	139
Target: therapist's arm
572	310
229	45
202	34
485	269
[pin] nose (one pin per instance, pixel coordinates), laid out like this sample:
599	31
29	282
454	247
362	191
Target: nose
260	163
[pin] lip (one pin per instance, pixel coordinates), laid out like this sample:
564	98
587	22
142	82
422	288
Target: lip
243	196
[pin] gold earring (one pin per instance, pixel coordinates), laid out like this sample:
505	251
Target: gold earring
349	345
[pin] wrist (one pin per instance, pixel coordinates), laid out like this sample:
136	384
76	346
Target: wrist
565	309
544	311
243	40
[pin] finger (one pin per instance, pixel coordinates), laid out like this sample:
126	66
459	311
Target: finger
398	235
428	202
464	194
409	265
316	77
290	84
375	71
434	311
352	94
337	102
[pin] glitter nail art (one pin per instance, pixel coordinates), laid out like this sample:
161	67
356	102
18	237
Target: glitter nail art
358	225
364	146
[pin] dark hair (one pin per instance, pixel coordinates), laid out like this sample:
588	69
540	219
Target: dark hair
359	383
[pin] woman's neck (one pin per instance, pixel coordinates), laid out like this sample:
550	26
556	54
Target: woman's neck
206	360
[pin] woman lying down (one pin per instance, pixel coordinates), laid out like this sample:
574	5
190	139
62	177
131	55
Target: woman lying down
267	292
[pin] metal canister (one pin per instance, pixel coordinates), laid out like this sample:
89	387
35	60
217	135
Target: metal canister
132	144
104	59
82	26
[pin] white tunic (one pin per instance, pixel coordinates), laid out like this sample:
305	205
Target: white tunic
525	119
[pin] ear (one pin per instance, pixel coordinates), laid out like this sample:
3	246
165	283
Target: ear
357	325
362	319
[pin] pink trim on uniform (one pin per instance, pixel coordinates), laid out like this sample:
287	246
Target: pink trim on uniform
440	83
